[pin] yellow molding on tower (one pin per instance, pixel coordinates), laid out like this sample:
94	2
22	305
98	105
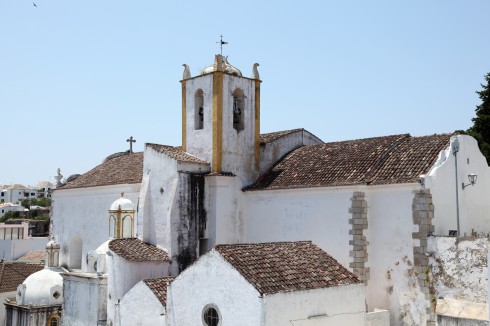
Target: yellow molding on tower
184	118
257	125
217	121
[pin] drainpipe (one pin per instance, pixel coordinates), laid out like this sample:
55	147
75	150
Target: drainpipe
455	153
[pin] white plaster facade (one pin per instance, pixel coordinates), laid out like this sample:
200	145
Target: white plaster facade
473	200
81	220
131	312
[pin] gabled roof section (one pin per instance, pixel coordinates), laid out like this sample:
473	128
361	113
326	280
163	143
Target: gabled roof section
12	274
271	136
126	169
410	159
159	288
34	256
286	266
379	160
176	153
133	249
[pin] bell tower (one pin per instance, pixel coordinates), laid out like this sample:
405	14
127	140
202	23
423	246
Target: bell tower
221	118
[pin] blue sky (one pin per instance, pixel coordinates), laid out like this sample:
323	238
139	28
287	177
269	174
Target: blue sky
77	78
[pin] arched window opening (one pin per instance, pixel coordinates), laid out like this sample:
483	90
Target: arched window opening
199	110
211	316
54	319
76	253
112	226
127	226
238	109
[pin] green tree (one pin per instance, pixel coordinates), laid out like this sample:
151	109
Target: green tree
481	123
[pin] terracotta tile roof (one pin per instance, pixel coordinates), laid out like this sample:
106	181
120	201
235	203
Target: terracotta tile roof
126	169
15	187
133	249
413	157
34	256
176	153
271	136
389	159
14	273
286	266
159	287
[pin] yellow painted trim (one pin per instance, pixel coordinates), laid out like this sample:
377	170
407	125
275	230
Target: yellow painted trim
257	125
217	120
184	115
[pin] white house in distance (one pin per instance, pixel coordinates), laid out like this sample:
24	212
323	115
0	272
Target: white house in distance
369	203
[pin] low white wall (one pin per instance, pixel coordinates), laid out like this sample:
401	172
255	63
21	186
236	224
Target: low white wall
459	268
14	249
378	317
333	306
84	299
3	296
140	306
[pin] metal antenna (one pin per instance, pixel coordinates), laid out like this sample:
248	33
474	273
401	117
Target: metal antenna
221	43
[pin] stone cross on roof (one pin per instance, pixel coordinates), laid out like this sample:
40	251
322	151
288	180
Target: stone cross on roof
131	141
221	43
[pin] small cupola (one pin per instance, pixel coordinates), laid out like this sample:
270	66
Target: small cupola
52	253
121	218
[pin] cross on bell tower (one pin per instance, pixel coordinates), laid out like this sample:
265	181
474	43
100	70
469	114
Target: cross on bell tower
221	43
131	141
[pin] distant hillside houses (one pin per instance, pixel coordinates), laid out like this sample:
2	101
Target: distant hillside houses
14	193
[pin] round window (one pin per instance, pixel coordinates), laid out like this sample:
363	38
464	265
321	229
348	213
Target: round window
210	316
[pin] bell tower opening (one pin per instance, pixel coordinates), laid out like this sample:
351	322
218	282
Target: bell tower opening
238	109
199	110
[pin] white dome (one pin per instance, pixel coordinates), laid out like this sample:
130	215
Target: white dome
43	287
53	244
227	68
103	248
123	204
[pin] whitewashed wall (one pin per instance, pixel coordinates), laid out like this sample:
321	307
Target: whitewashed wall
3	297
337	305
223	194
199	142
322	216
83	215
85	299
317	214
140	307
272	152
212	280
123	275
459	268
239	146
392	284
14	249
474	206
159	172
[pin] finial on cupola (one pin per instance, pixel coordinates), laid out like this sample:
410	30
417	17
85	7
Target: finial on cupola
187	72
255	71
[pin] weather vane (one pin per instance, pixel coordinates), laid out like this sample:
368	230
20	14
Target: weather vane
221	43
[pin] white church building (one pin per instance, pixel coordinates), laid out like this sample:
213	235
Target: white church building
236	227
